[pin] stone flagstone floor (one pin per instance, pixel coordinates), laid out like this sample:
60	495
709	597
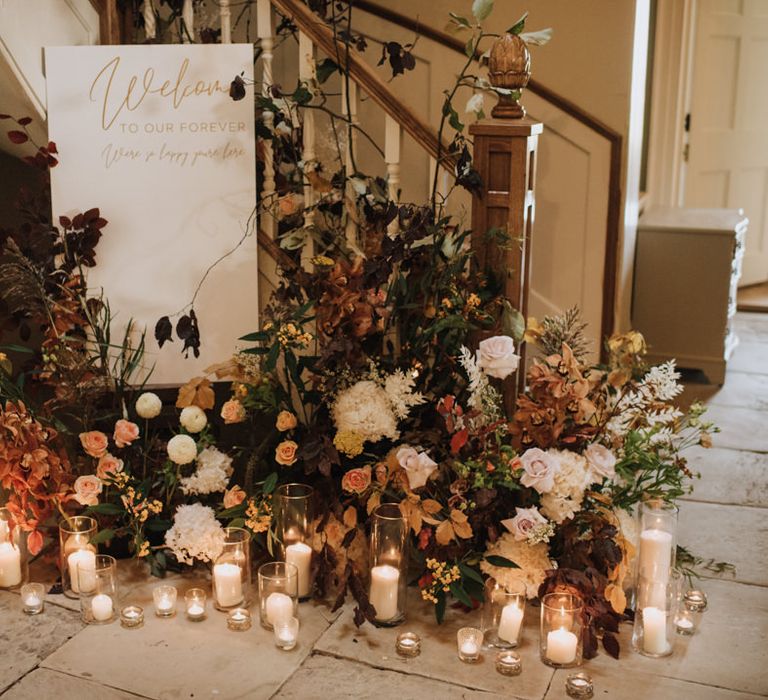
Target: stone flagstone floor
55	656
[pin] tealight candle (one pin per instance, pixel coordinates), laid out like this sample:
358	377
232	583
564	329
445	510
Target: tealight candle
509	663
239	620
32	598
300	555
101	607
654	630
469	640
228	584
195	599
383	595
165	600
561	646
132	616
408	644
279	608
509	624
82	570
286	632
579	685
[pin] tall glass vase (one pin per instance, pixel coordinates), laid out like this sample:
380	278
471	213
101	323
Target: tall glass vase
13	552
658	540
657	603
75	535
389	564
293	520
232	570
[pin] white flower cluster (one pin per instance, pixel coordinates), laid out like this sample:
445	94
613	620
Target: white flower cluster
399	388
482	396
532	559
571	479
195	534
212	475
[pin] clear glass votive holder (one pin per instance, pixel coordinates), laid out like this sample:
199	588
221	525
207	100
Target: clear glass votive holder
75	535
690	611
286	633
278	592
408	644
654	626
469	641
14	562
658	538
232	570
509	663
293	520
132	617
503	612
579	685
194	599
389	564
560	634
97	586
32	598
239	620
164	598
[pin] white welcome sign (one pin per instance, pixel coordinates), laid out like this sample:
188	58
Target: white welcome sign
150	135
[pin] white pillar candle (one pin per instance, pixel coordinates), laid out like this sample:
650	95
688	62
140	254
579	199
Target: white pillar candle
10	565
83	560
561	646
101	607
3	531
383	595
279	608
228	584
654	630
300	555
655	554
509	623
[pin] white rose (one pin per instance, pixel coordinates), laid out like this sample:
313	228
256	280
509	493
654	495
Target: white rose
496	356
182	449
539	469
418	466
474	104
148	405
601	461
193	419
525	520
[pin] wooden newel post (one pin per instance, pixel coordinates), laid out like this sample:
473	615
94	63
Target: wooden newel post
505	157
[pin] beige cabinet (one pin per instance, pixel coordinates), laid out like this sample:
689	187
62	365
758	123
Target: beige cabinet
687	267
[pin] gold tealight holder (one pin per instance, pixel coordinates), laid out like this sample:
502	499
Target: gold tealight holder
132	616
239	620
509	663
579	685
408	644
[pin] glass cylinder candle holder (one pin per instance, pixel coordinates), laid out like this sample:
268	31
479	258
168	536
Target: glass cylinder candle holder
657	543
560	637
75	535
389	564
97	587
509	663
408	644
657	603
164	598
690	611
278	592
13	552
232	570
239	620
132	617
32	598
503	612
194	600
469	641
293	520
286	633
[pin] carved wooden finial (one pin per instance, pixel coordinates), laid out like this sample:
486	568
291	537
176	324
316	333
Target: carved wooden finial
509	67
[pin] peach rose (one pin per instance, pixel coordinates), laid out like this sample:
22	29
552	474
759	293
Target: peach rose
94	443
357	480
286	421
87	490
285	453
233	497
125	432
233	411
108	466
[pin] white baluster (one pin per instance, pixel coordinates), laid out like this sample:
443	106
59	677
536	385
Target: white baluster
306	76
150	23
188	22
264	32
349	109
225	14
392	159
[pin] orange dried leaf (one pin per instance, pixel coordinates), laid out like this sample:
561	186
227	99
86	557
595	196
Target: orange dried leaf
350	517
431	506
373	502
444	532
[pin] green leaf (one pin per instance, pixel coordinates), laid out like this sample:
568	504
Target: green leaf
454	120
440	608
255	351
512	322
237	522
105	509
16	348
518	26
269	483
102	536
458	19
496	560
460	594
469	48
481	9
325	69
469	572
258	335
301	95
271	361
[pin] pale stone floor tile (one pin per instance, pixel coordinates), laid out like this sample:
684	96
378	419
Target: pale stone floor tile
735	477
43	684
740	428
751	326
26	640
438	660
735	534
741	389
328	677
750	356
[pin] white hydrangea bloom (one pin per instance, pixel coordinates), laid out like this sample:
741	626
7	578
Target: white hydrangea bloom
195	534
563	501
533	560
214	468
365	409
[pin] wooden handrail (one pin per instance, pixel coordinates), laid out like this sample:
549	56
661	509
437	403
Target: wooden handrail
366	78
615	139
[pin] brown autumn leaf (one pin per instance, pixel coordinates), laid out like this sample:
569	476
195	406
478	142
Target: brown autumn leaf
373	502
619	377
350	517
463	530
431	506
615	596
458	516
444	532
196	392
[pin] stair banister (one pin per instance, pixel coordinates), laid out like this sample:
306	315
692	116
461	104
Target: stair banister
267	222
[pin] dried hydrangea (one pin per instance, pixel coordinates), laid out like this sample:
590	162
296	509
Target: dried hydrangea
195	534
365	409
571	479
214	468
533	560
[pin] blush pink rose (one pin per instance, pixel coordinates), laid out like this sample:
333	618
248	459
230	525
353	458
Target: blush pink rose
286	421
87	489
524	521
602	462
539	469
108	466
233	497
357	480
125	432
94	443
418	465
496	356
233	411
285	453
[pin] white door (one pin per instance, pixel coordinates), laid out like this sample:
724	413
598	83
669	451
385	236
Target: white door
728	156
